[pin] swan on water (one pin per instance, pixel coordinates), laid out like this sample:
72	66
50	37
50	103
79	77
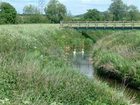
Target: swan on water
82	52
74	52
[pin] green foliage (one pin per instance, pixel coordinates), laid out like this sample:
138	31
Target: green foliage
30	9
35	71
93	14
55	11
107	16
35	18
120	54
68	17
7	13
118	9
31	14
133	13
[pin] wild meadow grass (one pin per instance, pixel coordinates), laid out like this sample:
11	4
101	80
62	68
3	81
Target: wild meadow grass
119	54
34	69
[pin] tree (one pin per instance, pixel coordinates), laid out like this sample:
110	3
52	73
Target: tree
30	9
107	16
55	11
133	13
32	14
7	13
68	17
93	14
118	9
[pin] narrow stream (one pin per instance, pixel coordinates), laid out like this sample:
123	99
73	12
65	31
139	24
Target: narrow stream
83	63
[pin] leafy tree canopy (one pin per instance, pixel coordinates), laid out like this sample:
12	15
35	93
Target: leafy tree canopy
30	9
133	13
55	11
93	14
118	9
7	13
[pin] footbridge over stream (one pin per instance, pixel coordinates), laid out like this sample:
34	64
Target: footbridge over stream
101	25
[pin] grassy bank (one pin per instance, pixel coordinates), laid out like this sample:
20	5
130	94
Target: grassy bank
117	55
35	71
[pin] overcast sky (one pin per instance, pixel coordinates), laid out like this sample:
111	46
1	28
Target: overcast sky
74	6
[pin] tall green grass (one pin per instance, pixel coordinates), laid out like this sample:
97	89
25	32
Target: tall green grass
34	69
119	53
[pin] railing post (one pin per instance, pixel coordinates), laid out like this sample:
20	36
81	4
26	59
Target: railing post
123	24
95	24
69	24
105	24
132	24
79	24
114	25
87	25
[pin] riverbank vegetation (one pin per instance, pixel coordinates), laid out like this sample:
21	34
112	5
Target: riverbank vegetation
117	56
35	70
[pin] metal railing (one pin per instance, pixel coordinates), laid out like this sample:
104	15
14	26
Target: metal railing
98	24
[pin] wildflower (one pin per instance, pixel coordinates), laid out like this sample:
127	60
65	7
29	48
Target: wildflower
35	47
26	102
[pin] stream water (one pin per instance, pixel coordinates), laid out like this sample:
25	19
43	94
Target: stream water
83	63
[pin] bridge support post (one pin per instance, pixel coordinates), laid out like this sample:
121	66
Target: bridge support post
70	24
79	24
87	24
123	24
132	24
114	25
95	24
105	24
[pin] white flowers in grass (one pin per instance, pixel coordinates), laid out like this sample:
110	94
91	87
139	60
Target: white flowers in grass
4	101
55	103
35	47
26	102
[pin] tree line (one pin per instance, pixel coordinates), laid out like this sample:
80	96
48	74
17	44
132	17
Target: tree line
56	12
117	11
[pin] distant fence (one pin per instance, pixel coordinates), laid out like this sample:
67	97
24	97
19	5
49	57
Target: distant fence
100	24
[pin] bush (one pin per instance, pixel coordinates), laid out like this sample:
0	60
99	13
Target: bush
120	55
7	13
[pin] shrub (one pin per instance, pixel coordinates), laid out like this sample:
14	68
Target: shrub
7	13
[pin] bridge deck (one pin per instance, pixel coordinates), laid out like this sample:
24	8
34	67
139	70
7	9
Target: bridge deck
128	25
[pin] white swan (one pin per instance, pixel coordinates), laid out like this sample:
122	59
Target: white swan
82	52
74	52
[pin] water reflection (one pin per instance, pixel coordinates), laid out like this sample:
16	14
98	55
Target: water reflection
83	63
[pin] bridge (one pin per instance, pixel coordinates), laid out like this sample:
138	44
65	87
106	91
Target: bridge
101	25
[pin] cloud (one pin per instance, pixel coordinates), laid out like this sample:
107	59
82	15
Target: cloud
75	6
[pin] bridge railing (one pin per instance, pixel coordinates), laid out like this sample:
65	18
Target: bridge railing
72	24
